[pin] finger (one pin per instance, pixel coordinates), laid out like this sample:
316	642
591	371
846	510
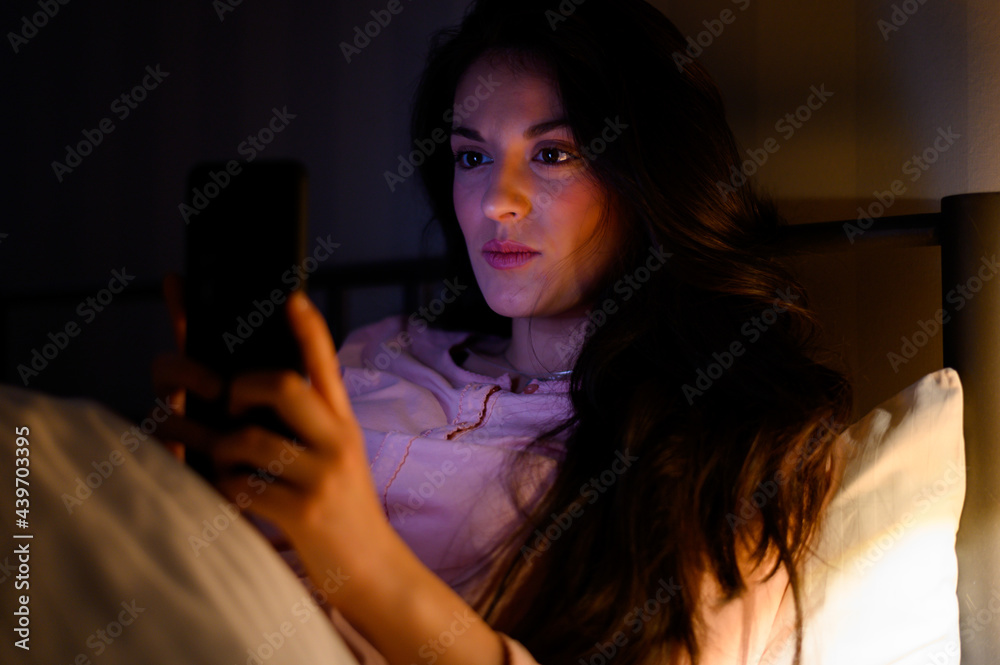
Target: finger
296	402
274	501
177	401
318	353
259	448
173	294
177	428
172	372
175	405
176	449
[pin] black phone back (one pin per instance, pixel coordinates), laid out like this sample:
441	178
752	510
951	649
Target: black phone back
245	240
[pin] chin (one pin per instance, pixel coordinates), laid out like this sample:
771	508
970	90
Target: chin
506	306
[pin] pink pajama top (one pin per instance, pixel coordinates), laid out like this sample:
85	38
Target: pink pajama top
439	438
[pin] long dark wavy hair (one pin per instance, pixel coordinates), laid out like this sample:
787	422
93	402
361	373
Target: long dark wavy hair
731	450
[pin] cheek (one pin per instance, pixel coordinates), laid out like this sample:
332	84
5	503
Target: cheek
463	192
580	209
459	194
466	205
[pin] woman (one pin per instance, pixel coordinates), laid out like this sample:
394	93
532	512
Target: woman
655	381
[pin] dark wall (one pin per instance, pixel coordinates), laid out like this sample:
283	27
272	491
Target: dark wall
221	76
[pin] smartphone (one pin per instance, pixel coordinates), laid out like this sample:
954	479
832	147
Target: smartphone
244	246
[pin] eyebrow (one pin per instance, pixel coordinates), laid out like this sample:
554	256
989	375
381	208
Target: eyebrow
530	133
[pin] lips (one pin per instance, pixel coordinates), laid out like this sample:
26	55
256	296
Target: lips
507	247
507	254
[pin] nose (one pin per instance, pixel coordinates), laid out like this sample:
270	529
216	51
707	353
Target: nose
507	197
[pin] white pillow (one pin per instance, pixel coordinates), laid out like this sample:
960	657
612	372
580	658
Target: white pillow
881	587
149	567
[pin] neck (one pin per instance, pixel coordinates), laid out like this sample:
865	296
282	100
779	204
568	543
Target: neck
543	345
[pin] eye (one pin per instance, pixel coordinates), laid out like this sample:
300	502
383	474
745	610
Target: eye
553	156
470	159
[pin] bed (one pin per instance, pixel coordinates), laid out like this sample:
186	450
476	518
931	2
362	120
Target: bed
882	587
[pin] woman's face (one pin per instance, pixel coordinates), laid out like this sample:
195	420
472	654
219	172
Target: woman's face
526	206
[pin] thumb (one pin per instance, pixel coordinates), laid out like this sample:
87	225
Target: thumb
318	353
